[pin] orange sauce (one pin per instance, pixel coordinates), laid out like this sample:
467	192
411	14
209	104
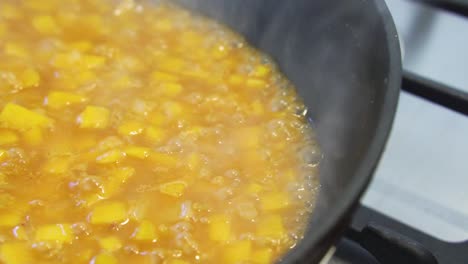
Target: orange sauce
133	132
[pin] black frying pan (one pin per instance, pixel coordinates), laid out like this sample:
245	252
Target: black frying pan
344	58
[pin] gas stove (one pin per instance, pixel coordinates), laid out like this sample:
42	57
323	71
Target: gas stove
416	209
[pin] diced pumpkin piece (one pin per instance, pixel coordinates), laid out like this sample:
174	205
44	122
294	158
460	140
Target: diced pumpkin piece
92	61
162	159
176	261
57	165
30	78
238	252
236	79
274	201
16	50
155	135
220	228
58	100
262	256
173	188
3	154
94	117
171	88
173	109
104	258
3	179
146	231
45	24
271	227
20	232
163	25
15	253
10	219
116	179
254	188
110	243
257	108
256	83
111	156
159	76
108	213
62	233
85	76
261	71
16	117
131	128
248	137
193	161
137	152
3	30
33	136
123	173
66	59
7	137
82	46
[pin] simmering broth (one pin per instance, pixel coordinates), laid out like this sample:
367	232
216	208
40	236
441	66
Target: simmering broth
135	132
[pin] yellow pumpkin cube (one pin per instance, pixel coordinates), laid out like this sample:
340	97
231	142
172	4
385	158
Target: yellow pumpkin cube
108	213
254	188
58	100
248	137
57	165
137	152
95	117
62	233
271	227
16	50
3	30
173	188
171	88
163	25
16	117
262	256
261	71
3	154
159	76
173	109
20	233
220	228
45	24
274	201
257	108
131	128
7	137
162	159
92	61
111	156
110	243
155	135
146	231
33	136
30	78
176	261
10	11
122	174
236	80
10	219
15	253
116	179
256	83
104	258
238	252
